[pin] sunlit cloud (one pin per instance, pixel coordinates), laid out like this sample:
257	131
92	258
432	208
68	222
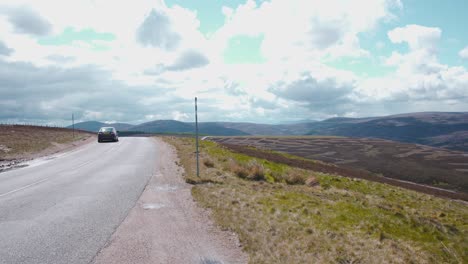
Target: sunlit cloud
267	61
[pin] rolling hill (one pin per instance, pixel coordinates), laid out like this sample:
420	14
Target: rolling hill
421	164
217	129
270	130
448	130
172	126
438	129
94	126
165	126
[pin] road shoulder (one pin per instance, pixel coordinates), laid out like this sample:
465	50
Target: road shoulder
167	226
25	159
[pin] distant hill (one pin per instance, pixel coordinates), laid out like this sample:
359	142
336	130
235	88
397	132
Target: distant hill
121	126
439	129
270	130
171	126
94	126
449	130
208	128
164	126
457	141
217	129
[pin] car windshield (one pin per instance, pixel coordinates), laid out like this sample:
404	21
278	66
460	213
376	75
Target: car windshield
106	129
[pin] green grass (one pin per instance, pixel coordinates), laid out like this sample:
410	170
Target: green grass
402	161
342	220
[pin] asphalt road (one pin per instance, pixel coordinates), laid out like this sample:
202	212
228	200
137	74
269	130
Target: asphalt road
167	226
65	209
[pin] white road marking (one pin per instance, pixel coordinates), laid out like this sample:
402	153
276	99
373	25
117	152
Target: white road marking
24	187
47	159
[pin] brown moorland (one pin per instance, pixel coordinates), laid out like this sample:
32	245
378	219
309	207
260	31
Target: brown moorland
359	157
20	142
284	214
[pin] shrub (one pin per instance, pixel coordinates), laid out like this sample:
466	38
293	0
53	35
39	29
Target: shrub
252	171
294	178
277	176
312	181
208	163
239	170
256	171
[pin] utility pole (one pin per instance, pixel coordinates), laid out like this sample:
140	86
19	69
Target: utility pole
196	136
73	124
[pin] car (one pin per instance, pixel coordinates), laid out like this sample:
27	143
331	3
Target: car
107	134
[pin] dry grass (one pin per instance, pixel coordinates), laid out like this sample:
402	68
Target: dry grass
256	171
295	178
240	171
341	220
409	162
20	141
208	163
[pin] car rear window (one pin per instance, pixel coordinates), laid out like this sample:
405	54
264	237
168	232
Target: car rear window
106	129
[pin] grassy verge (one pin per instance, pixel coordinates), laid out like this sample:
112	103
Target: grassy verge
289	215
18	141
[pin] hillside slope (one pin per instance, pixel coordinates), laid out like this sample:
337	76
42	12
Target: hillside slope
438	129
217	129
163	126
420	164
270	130
434	129
19	143
288	215
94	126
166	126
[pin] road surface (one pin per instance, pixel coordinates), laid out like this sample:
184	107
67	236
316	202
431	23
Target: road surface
122	202
167	226
65	209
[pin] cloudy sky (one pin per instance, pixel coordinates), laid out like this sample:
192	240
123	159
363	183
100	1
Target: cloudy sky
258	61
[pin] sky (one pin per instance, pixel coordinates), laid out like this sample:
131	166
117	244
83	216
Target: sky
264	61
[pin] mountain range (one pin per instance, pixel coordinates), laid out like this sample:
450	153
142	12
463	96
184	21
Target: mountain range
439	129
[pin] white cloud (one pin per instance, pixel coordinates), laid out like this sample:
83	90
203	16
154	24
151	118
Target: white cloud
417	37
464	53
179	116
420	82
159	61
314	28
422	56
